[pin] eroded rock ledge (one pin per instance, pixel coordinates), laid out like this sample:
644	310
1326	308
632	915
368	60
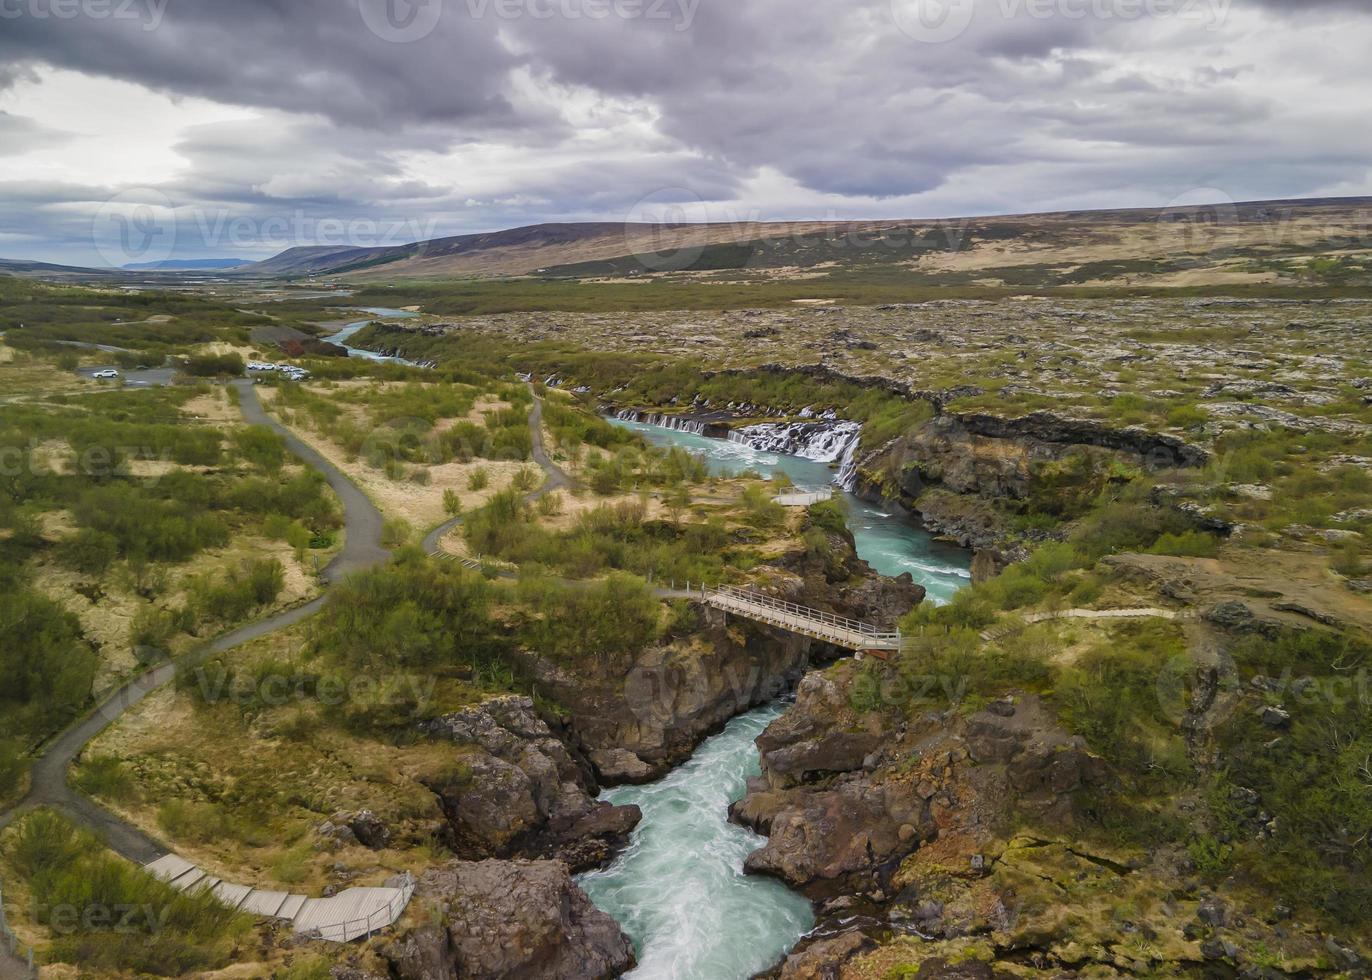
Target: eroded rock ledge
962	845
498	919
519	792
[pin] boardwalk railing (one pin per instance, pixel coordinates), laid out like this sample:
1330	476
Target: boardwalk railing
827	626
345	932
10	946
804	496
471	563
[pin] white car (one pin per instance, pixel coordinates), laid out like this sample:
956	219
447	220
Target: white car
106	375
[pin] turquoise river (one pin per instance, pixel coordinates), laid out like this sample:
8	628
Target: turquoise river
679	890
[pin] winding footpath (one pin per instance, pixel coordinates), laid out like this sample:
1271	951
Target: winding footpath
48	777
556	479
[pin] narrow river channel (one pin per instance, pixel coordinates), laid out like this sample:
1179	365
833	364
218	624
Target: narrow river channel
679	890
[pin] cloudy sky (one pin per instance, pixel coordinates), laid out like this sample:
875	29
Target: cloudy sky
146	129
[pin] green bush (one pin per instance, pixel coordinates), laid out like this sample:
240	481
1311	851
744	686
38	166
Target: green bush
413	613
230	596
107	915
13	766
607	621
1187	544
46	666
828	516
262	447
105	776
214	366
88	551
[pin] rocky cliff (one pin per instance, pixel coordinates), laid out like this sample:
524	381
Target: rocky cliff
846	796
966	844
637	721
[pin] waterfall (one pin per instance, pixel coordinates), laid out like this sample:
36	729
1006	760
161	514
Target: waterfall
848	470
678	423
823	442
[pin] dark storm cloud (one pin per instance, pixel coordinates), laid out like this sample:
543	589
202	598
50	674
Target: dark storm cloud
313	56
1014	112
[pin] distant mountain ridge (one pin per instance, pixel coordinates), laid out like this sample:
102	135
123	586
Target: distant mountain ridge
187	265
25	267
1248	243
1142	243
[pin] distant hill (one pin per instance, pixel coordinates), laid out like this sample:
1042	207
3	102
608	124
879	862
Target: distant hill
1252	242
517	251
187	265
23	267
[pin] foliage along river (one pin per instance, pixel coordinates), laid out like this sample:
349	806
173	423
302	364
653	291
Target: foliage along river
679	890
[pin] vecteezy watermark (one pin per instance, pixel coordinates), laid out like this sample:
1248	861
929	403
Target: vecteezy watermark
136	225
96	462
933	21
276	690
401	21
407	21
122	919
941	21
148	13
142	225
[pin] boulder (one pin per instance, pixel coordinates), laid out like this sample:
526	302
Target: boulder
425	954
370	831
825	959
504	919
520	793
617	766
846	832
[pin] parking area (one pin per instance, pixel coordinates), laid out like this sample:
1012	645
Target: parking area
159	377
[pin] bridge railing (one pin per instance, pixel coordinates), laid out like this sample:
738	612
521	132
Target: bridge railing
342	932
806	613
10	946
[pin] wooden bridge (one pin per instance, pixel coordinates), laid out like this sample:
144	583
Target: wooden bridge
850	634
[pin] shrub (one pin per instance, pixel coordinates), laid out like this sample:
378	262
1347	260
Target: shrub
152	630
828	515
396	532
478	479
12	770
1187	544
607	621
262	447
88	551
214	365
105	776
414	613
46	665
237	592
177	934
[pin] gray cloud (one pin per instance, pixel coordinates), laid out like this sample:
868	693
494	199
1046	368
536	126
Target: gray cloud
832	101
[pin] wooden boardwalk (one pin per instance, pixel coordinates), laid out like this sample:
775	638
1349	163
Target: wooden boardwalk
349	915
850	634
